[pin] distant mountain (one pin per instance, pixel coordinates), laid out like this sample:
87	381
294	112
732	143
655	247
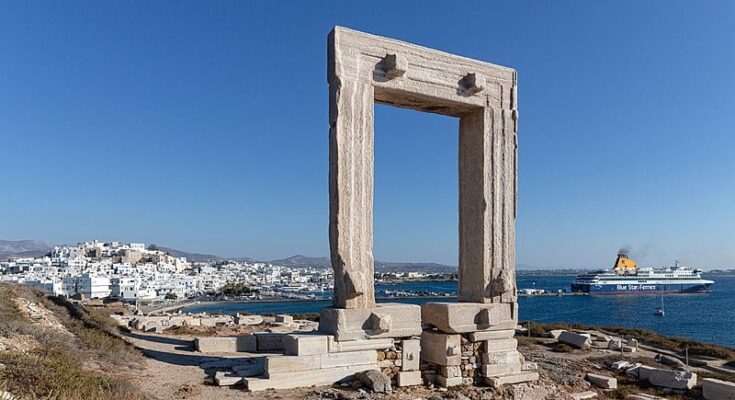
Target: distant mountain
429	268
299	261
191	257
303	262
22	248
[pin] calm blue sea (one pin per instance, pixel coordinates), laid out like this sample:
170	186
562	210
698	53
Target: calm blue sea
708	317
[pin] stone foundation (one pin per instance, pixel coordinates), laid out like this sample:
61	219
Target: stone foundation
472	343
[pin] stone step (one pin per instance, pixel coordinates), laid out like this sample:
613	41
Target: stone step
291	380
283	364
512	379
305	344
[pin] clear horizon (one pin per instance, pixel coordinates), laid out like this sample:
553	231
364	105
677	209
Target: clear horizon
203	128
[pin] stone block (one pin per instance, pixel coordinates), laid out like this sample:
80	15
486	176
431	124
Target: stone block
497	381
502	357
584	395
246	343
388	320
222	378
501	369
297	379
246	370
284	319
305	344
670	361
602	381
451	371
248	319
618	365
555	333
491	335
214	344
269	341
629	349
335	346
574	339
500	345
643	396
715	389
410	357
443	381
441	348
642	372
282	364
409	378
469	317
672	379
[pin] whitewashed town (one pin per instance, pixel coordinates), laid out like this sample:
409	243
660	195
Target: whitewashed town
133	272
136	273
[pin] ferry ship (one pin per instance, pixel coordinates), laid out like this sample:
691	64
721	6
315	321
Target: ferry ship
627	278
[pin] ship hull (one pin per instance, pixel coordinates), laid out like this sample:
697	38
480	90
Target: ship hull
643	288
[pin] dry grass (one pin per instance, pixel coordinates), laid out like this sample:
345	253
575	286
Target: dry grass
64	367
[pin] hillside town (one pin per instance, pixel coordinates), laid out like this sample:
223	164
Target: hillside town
133	272
136	273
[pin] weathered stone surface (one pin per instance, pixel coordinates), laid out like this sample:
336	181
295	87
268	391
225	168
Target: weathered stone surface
305	344
502	357
281	364
441	348
629	349
555	333
491	335
363	69
359	324
618	365
213	344
226	379
584	395
269	341
672	379
284	319
643	396
336	346
443	381
715	389
290	380
500	369
375	381
469	317
526	376
451	371
410	358
248	319
670	361
492	346
409	378
574	339
602	381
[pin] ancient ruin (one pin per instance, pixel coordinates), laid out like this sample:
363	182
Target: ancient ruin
364	69
466	342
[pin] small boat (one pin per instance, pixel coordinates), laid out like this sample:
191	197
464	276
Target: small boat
660	310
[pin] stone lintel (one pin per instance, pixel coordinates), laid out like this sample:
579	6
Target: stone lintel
387	320
469	317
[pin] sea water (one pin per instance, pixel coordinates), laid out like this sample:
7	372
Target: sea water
707	317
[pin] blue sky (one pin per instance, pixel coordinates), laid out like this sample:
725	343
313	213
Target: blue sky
203	126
